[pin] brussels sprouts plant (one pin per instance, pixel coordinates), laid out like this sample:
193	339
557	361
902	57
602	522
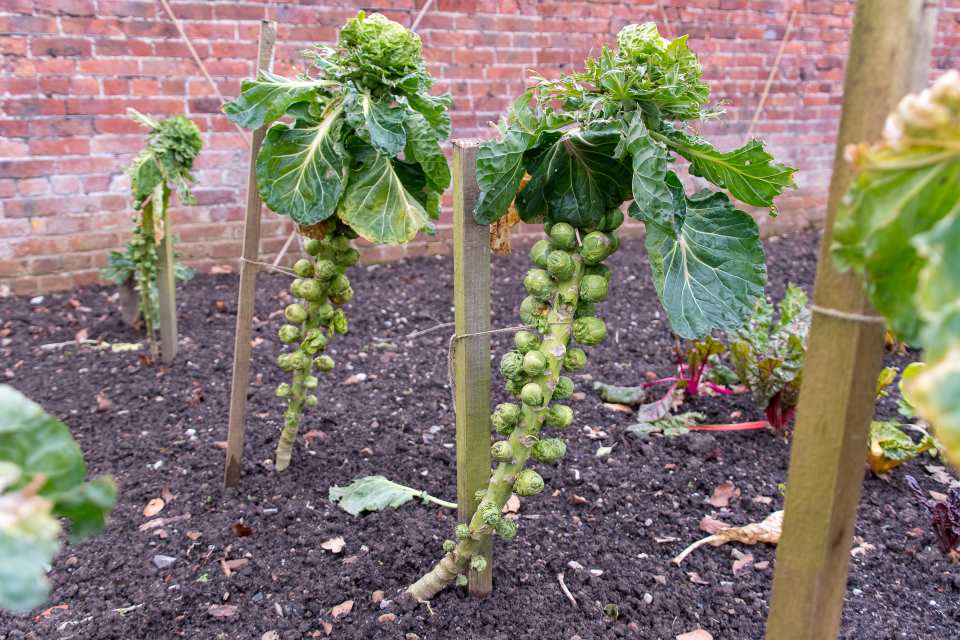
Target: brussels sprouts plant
42	478
899	228
358	154
164	165
589	142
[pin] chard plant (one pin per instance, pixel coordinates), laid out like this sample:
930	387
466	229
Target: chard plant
899	228
581	146
767	355
889	444
357	153
42	478
163	166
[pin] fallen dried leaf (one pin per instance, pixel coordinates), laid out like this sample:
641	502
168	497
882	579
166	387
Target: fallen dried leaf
222	610
356	378
863	548
765	500
313	434
220	444
103	402
615	406
712	525
377	597
46	613
327	627
387	617
512	505
695	578
722	495
154	507
241	530
575	500
742	561
220	306
767	531
696	634
939	497
230	566
761	566
273	634
256	342
334	545
342	609
194	535
221	269
81	335
577	396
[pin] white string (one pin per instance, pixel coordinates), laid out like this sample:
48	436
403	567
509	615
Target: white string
846	315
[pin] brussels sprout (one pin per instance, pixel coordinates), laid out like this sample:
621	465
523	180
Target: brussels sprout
564	388
339	283
324	269
293	361
547	226
534	363
528	483
313	247
340	244
560	265
525	341
283	390
574	359
563	236
559	416
568	297
506	529
612	220
501	451
539	251
505	417
489	513
311	400
549	450
595	247
478	564
323	363
593	288
339	322
531	394
539	285
295	313
303	268
614	242
585	310
289	333
342	297
295	287
348	258
324	312
314	341
449	546
589	331
531	310
311	290
513	387
511	365
461	531
311	382
598	270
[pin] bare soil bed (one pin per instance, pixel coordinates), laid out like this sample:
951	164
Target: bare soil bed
621	518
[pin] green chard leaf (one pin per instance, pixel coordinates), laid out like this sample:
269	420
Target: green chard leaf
376	493
301	171
708	262
265	99
748	173
378	206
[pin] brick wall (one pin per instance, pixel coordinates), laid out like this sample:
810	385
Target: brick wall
71	68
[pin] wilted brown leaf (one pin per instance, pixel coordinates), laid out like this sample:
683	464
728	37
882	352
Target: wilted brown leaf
194	535
722	495
81	335
334	545
356	378
154	507
741	561
342	609
512	505
241	530
230	566
695	578
103	402
696	634
220	306
222	610
167	495
712	525
615	406
767	531
221	269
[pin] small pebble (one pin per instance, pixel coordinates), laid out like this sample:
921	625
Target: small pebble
163	562
647	598
387	617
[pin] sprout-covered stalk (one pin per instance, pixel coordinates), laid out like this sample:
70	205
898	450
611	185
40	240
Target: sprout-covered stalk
559	309
313	321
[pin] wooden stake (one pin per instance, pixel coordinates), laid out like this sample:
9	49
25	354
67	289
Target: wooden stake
471	298
166	286
248	285
889	53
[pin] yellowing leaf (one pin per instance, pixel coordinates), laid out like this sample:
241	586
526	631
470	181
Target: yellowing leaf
154	507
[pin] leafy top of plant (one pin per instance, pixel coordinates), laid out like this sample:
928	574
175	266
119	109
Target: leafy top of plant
944	515
362	136
173	144
899	226
574	148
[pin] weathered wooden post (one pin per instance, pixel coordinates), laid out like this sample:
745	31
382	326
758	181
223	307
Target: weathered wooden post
166	289
471	295
889	56
248	285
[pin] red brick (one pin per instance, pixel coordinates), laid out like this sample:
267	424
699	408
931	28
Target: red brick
61	47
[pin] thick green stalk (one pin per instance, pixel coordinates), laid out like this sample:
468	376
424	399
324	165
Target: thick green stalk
559	321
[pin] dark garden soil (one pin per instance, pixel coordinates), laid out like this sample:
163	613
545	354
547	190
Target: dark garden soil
620	518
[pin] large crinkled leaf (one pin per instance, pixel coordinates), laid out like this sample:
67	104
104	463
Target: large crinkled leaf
500	169
23	580
265	99
379	207
301	171
424	147
377	122
435	109
649	159
376	493
580	176
748	173
708	264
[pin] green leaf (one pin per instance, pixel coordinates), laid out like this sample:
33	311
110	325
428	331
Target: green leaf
580	176
424	147
376	122
500	170
620	395
376	493
378	206
708	264
748	173
87	506
301	171
23	581
265	99
649	158
435	109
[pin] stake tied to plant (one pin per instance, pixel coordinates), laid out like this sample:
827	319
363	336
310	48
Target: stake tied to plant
587	143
